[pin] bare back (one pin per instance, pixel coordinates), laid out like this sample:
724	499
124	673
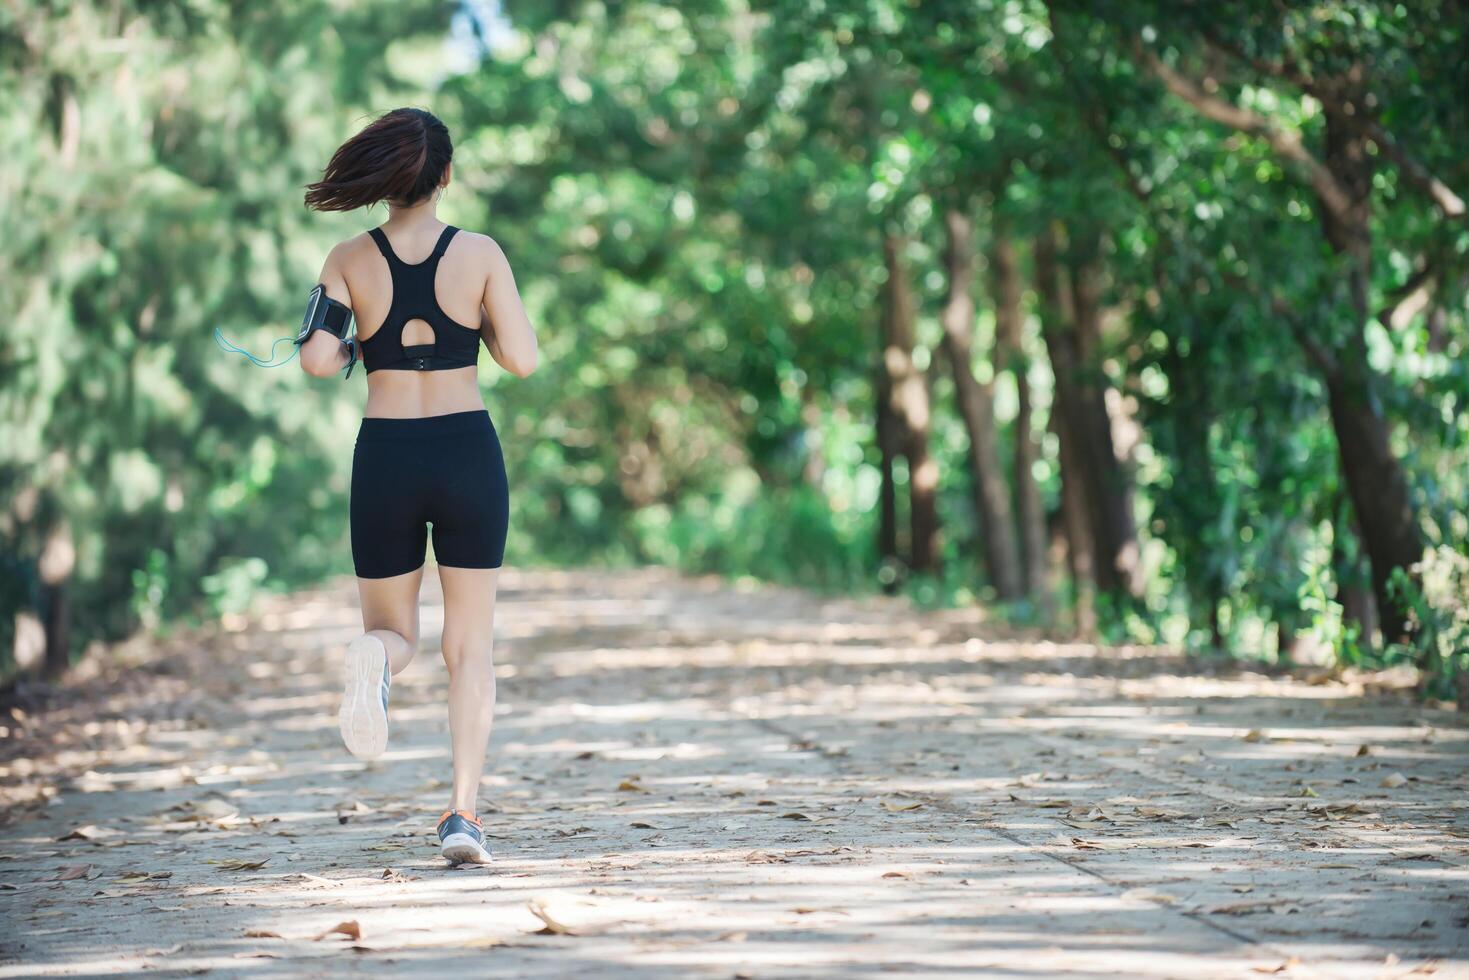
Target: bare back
473	287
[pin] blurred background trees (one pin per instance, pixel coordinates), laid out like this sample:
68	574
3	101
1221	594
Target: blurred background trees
1135	320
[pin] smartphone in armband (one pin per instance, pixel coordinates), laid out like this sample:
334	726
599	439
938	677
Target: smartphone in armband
324	313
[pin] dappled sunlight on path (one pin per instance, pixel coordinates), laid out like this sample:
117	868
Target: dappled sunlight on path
695	779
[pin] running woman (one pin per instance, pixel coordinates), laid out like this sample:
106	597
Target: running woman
424	294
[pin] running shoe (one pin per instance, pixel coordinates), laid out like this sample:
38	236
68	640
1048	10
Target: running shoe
462	838
364	714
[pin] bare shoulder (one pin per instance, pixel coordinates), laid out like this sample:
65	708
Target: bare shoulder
350	248
482	248
348	253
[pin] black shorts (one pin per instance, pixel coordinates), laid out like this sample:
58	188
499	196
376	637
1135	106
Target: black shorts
444	470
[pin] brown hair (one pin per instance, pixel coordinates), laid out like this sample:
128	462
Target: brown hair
400	157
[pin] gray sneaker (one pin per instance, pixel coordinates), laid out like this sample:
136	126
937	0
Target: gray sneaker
462	838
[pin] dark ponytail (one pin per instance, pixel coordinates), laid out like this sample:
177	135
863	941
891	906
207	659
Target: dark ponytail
399	158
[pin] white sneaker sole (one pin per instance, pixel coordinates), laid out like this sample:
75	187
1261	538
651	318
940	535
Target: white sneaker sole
464	849
363	721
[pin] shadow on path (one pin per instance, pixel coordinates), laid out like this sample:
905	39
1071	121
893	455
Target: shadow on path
695	779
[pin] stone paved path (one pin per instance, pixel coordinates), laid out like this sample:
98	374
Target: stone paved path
693	779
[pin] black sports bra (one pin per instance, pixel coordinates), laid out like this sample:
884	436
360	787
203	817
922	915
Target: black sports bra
454	346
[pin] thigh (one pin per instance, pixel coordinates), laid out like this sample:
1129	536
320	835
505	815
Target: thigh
392	604
471	505
469	611
386	510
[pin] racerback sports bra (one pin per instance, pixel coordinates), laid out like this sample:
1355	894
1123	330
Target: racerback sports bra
454	346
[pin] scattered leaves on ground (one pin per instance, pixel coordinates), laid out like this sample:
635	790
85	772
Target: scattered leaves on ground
349	928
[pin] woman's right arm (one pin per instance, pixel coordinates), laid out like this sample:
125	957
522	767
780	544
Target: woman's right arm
323	354
503	321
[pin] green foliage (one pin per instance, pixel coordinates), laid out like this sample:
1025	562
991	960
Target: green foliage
152	158
694	198
1441	606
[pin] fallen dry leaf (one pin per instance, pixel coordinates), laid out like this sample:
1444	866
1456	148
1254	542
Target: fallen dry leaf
211	809
164	951
1045	804
134	877
1289	964
1149	895
241	865
1393	780
350	929
1255	735
89	832
72	872
484	942
1158	813
897	806
356	808
1082	844
262	934
550	925
1243	908
632	786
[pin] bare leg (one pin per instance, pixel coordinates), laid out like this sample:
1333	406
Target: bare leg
390	613
390	618
469	624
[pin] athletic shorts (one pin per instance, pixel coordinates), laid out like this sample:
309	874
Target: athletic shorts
445	471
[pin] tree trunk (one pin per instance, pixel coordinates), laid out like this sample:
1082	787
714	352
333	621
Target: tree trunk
1010	354
976	408
1081	549
1075	489
1285	643
1373	475
1216	627
910	407
1113	527
887	494
1353	581
54	567
1379	490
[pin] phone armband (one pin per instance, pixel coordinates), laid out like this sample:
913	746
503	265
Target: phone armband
324	313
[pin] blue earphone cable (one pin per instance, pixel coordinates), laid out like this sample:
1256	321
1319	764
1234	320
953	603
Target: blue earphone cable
224	344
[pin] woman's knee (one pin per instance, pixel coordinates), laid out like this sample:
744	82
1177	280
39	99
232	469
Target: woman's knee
408	636
471	657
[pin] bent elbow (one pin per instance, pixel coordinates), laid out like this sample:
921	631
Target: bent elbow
316	365
521	364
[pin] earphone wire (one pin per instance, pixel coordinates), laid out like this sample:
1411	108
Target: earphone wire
225	344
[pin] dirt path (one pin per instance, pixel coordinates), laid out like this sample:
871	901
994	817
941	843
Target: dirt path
691	779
